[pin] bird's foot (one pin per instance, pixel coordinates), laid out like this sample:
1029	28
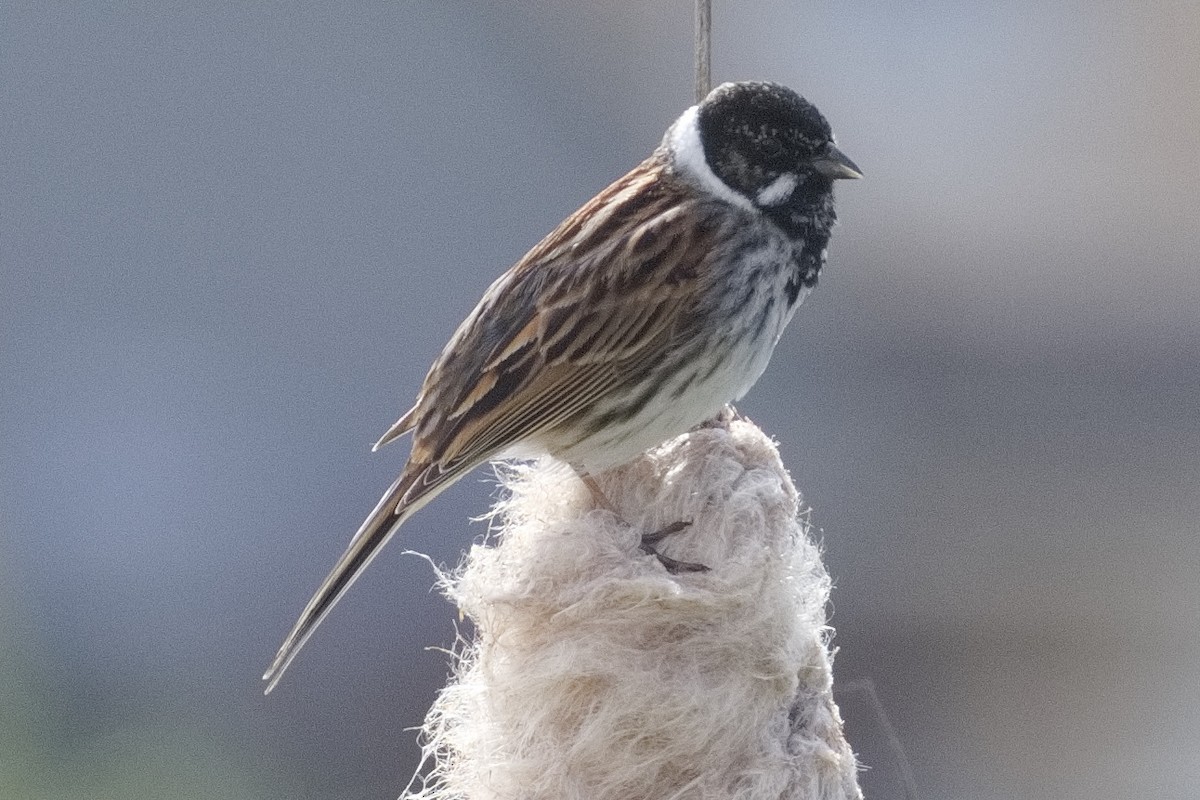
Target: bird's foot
674	566
722	420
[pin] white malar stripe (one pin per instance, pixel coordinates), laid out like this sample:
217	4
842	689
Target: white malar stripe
778	190
683	140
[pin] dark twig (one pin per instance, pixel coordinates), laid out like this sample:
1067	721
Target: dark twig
703	48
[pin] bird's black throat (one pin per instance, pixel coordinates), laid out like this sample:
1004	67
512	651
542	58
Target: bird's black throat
806	220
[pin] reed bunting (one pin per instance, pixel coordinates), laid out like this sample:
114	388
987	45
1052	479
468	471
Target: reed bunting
640	316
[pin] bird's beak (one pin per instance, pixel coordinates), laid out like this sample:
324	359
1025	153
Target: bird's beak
834	164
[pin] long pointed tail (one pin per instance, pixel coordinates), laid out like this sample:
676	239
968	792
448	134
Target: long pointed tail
415	487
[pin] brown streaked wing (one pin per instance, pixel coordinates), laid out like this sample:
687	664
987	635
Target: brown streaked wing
571	322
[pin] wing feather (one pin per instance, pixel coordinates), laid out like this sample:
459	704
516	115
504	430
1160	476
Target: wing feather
398	429
571	323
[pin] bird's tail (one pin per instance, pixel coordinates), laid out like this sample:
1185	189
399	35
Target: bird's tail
416	486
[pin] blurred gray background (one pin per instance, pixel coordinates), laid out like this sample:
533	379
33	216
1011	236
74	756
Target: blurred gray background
234	236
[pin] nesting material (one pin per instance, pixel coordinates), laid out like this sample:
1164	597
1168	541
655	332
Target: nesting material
594	674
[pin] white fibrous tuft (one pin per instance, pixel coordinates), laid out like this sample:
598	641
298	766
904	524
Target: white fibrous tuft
594	674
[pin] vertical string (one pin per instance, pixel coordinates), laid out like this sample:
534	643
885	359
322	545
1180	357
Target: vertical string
703	48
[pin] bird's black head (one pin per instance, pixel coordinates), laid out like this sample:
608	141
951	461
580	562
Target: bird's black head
769	145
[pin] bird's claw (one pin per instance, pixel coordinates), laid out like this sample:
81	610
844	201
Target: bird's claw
672	565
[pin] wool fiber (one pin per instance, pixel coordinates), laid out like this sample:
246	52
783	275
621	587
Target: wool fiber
592	673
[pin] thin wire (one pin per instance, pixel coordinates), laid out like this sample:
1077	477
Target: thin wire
867	687
703	48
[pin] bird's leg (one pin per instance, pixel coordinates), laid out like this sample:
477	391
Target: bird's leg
674	566
597	493
723	418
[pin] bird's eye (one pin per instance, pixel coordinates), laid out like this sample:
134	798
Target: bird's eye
773	149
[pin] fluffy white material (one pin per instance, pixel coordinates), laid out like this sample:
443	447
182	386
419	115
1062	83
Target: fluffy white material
594	674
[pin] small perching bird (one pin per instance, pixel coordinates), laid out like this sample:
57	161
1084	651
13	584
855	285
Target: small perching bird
640	316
